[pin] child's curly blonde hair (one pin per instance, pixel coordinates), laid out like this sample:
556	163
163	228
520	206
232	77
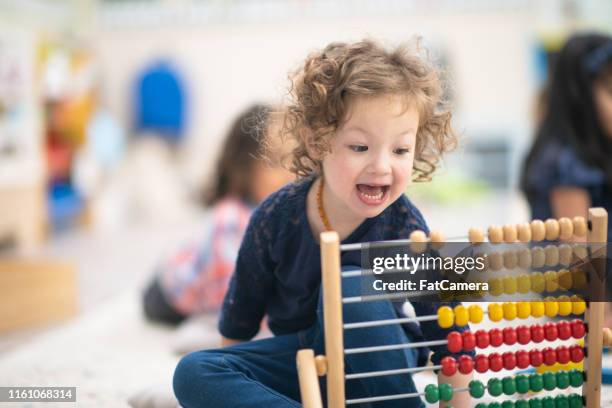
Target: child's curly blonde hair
322	89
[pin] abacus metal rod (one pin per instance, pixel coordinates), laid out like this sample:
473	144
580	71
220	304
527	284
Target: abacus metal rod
382	373
389	347
386	296
389	243
376	323
393	397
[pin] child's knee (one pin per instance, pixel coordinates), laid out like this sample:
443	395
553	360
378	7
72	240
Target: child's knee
193	374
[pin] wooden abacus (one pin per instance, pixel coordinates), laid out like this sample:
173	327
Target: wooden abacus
591	329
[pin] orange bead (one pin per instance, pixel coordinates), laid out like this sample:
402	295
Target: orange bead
580	226
496	234
566	228
552	229
510	233
538	230
524	232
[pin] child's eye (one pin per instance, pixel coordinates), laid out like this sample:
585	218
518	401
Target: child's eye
358	148
403	150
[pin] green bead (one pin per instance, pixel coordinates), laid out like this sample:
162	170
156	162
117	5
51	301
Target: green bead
495	405
576	378
548	402
507	404
536	383
535	403
495	387
562	380
509	385
575	401
477	389
481	405
446	392
522	384
561	401
521	404
432	395
550	381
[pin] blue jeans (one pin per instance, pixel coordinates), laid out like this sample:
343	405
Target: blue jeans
263	373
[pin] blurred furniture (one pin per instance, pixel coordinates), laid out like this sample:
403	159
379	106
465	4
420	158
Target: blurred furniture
34	292
22	216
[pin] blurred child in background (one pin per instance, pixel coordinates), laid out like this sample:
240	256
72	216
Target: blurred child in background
569	166
195	278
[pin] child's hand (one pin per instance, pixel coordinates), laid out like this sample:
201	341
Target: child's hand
460	399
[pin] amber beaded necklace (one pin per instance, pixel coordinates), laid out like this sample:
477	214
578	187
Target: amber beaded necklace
322	213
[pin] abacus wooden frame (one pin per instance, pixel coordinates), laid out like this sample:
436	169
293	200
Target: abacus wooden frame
332	364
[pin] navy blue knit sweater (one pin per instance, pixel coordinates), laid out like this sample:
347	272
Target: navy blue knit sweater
278	270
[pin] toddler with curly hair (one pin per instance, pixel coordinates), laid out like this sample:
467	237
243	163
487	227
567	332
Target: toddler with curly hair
362	122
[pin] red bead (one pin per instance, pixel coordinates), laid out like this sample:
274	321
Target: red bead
564	329
537	333
496	337
576	353
550	331
522	359
578	329
563	355
509	360
550	356
449	366
482	339
455	342
536	358
469	340
482	363
496	363
509	336
466	364
523	334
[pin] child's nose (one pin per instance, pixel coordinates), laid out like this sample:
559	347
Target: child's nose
380	165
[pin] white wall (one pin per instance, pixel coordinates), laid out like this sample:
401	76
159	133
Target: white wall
231	65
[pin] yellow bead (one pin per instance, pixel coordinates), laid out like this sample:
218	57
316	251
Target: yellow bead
496	287
496	312
446	317
476	314
537	309
510	285
578	305
564	277
509	310
551	307
462	317
565	305
537	282
552	282
523	310
579	279
523	283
